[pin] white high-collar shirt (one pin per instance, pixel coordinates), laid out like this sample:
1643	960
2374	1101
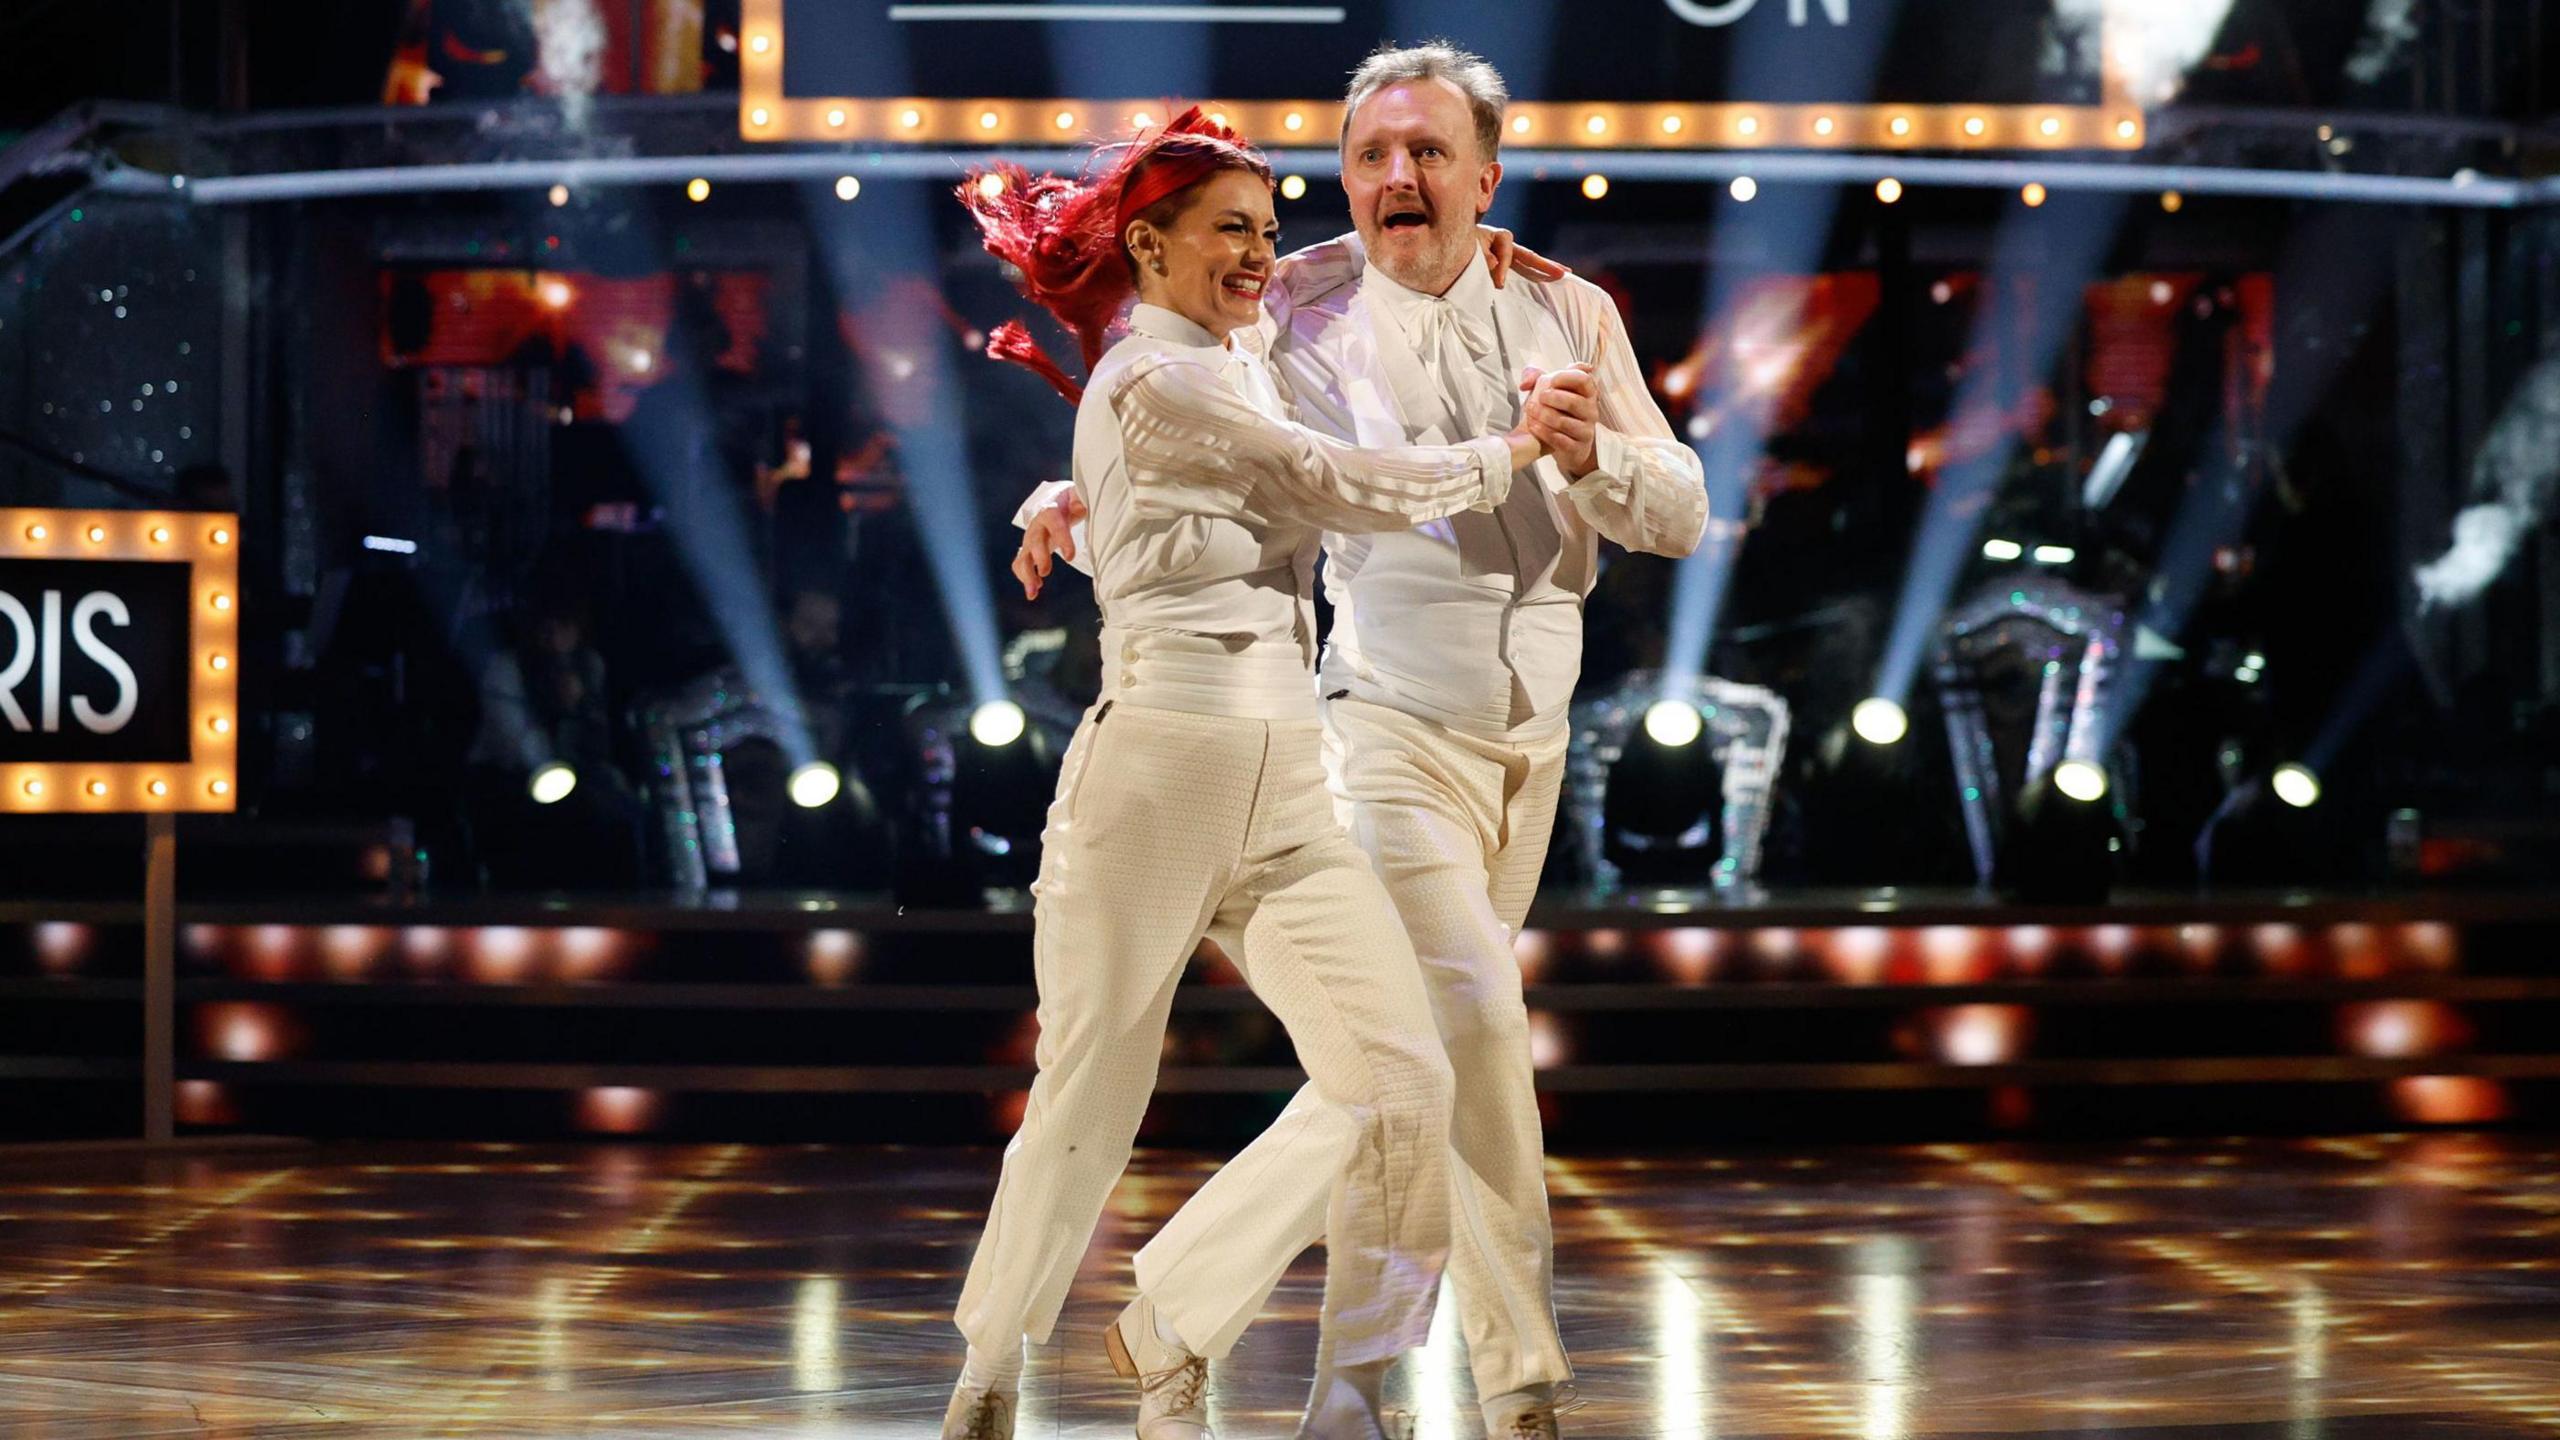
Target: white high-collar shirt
1207	501
1474	621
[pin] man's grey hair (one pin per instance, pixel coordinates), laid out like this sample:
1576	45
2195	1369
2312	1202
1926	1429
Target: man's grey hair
1390	65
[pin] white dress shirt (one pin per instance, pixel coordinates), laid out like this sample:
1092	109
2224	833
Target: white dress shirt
1474	621
1207	502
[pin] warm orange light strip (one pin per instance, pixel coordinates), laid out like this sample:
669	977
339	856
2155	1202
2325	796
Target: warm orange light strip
211	544
1281	124
765	113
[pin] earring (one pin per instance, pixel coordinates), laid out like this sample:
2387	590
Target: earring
1156	264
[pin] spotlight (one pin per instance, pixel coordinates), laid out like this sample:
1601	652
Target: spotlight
2034	195
1662	807
815	784
1745	189
1293	187
697	190
1889	190
1594	186
1674	723
551	783
2060	845
559	195
847	187
2081	781
1879	721
2055	554
2003	550
2296	786
996	723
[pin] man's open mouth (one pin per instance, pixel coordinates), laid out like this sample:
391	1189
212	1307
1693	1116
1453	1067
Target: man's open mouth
1405	220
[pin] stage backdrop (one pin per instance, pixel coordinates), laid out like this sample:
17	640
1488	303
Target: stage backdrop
809	65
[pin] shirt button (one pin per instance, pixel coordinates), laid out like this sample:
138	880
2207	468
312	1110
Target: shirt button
1128	679
1129	651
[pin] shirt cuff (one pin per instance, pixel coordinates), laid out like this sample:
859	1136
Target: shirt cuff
1493	457
1612	469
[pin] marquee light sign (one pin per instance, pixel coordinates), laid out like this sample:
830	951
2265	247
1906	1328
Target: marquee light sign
119	662
873	73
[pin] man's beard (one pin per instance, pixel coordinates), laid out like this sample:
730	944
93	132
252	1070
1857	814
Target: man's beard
1430	267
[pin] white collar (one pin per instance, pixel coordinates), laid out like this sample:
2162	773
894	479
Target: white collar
1471	294
1173	327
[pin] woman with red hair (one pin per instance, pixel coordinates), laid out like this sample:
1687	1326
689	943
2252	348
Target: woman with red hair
1192	801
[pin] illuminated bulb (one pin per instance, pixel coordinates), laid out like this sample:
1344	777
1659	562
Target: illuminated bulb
2003	550
556	294
159	789
990	186
98	788
1888	190
1293	122
1597	124
697	190
2034	194
2127	128
1901	125
34	787
759	116
997	723
2080	780
1141	120
847	187
551	783
559	196
37	532
1293	187
910	118
159	534
97	534
762	44
1064	120
2050	126
1824	125
1670	124
1974	125
221	537
1747	125
2296	786
1879	721
987	119
1218	118
219	725
1745	189
836	118
221	602
1519	124
814	784
2172	201
1594	186
1674	723
219	787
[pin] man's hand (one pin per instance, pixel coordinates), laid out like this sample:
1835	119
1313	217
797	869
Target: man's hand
1564	413
1050	533
1503	254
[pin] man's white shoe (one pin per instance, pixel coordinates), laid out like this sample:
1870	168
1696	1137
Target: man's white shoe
1521	1415
976	1414
1173	1383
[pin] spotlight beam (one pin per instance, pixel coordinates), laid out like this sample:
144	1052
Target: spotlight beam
2060	247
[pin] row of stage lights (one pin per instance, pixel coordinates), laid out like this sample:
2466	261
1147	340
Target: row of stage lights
814	785
765	115
1596	186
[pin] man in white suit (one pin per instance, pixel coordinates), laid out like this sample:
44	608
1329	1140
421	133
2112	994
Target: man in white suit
1452	660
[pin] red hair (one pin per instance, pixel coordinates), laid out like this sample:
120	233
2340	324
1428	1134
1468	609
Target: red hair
1064	236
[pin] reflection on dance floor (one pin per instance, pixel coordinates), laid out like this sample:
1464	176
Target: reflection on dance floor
2404	1286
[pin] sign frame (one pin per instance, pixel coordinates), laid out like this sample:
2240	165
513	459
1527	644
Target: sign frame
209	782
767	113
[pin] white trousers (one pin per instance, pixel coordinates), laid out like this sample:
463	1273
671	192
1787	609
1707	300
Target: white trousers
1169	826
1458	829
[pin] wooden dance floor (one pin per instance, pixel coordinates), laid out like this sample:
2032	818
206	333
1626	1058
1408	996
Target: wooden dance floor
2390	1288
